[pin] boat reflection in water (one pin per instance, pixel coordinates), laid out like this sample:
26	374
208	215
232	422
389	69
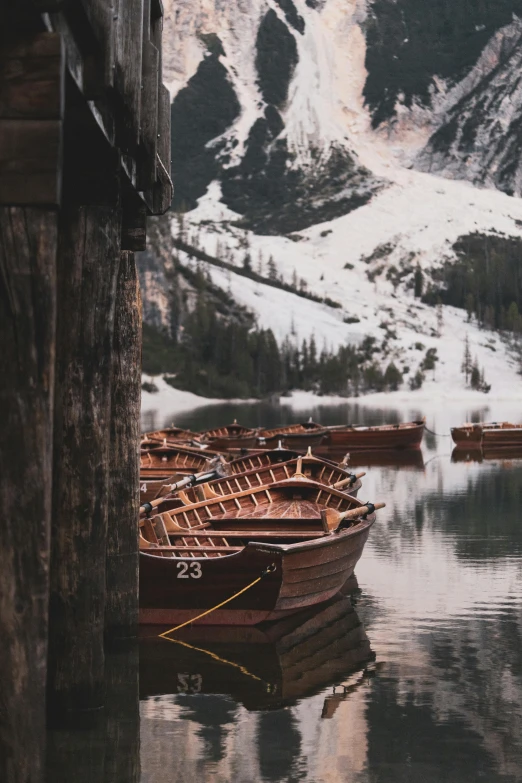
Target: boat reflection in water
262	667
387	458
485	453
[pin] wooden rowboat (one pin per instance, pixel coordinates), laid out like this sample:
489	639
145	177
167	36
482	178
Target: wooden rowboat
266	667
487	434
387	436
294	436
232	436
259	458
171	434
166	460
311	467
299	538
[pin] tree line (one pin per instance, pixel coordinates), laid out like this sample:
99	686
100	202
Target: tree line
214	348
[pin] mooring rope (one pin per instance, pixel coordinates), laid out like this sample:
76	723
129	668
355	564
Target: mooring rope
269	570
216	657
437	434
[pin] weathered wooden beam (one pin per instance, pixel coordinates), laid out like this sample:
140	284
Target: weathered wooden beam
164	140
122	716
88	260
32	102
30	162
28	238
121	610
128	31
134	224
32	78
149	117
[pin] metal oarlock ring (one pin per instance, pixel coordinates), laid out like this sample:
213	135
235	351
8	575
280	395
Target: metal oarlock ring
371	509
269	569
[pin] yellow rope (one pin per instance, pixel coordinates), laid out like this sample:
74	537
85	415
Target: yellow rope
216	657
203	614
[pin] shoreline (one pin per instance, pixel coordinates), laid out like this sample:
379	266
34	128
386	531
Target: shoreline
169	400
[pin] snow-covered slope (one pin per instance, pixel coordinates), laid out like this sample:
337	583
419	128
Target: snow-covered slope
336	137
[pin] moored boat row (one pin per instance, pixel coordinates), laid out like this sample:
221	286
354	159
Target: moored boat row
295	436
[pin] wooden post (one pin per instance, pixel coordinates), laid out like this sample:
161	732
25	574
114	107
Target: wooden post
88	259
121	612
27	335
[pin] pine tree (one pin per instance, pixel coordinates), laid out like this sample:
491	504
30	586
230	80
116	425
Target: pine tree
474	380
418	282
466	359
440	317
272	269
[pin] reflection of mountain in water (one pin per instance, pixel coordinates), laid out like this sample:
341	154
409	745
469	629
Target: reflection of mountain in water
263	667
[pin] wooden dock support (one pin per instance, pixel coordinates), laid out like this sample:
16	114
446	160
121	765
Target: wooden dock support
88	260
121	609
27	336
84	159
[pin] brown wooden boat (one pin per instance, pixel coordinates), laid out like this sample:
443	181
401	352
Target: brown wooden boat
411	459
232	436
167	460
258	458
311	467
265	667
493	433
300	538
294	436
387	436
171	434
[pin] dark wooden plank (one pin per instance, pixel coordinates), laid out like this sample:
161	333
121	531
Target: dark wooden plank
149	117
88	259
134	225
30	161
193	548
164	141
128	66
32	78
161	194
121	610
28	240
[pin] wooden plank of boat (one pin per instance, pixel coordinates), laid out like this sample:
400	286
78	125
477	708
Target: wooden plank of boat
231	436
260	458
398	436
472	435
270	666
317	469
168	460
294	436
199	568
169	434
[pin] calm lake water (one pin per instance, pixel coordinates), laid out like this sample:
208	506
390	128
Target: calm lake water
414	675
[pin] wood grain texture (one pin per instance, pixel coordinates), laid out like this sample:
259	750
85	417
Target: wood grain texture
128	66
88	259
28	240
31	112
149	117
32	78
121	610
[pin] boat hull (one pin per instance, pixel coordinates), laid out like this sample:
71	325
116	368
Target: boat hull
224	443
360	439
468	437
297	440
176	590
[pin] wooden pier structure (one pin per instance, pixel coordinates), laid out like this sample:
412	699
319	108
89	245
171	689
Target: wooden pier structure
84	159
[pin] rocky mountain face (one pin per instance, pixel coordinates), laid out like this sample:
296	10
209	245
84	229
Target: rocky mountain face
349	142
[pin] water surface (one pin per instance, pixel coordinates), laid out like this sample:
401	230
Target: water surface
417	676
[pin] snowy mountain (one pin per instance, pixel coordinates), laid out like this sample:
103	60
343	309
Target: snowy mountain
350	143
